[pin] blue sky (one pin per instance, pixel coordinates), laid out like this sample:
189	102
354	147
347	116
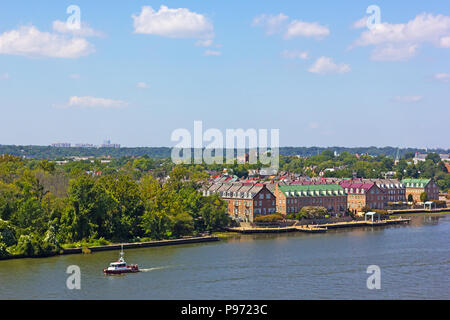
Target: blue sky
302	67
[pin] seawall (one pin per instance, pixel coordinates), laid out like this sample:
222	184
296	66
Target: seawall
136	245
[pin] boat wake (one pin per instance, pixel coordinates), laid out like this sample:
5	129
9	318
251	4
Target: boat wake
151	269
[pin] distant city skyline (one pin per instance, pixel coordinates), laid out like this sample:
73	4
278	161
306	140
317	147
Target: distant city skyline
135	71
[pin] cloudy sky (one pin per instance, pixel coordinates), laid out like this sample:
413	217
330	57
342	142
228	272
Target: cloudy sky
135	71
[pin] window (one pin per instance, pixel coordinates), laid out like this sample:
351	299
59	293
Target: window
261	195
267	195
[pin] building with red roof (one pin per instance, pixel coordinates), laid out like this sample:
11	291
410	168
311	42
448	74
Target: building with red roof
362	194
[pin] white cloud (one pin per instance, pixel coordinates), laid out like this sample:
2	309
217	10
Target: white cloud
296	28
444	77
204	43
212	53
445	42
392	52
172	23
294	54
400	41
83	31
4	76
361	23
92	102
325	65
142	85
299	28
272	24
30	42
408	99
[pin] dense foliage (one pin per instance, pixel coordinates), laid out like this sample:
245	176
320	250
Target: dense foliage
348	165
44	206
269	218
52	153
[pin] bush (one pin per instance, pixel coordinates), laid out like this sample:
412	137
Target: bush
33	246
291	216
3	251
311	213
7	233
381	212
423	197
269	218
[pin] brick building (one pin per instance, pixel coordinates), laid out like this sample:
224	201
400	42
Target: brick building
363	194
244	201
394	190
416	187
292	198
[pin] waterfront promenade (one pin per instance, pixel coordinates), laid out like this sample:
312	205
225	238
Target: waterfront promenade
321	227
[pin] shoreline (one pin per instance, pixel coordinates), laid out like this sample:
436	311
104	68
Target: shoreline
130	245
321	228
230	232
424	211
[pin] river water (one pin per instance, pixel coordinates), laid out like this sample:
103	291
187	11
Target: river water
414	261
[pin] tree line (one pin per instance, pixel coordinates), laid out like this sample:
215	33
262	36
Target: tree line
44	207
54	153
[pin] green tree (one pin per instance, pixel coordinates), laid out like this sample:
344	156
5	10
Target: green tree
423	197
433	157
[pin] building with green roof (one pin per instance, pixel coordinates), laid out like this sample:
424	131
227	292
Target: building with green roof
415	183
291	198
416	187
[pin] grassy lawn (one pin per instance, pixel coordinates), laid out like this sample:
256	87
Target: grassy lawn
225	234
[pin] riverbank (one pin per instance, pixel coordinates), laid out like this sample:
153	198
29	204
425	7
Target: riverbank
133	245
429	211
321	227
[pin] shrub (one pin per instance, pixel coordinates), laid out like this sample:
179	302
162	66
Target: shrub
423	197
311	213
269	218
33	246
3	251
291	216
7	233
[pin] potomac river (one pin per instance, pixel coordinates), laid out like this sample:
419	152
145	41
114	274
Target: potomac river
414	260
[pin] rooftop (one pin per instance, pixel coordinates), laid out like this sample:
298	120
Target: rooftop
312	190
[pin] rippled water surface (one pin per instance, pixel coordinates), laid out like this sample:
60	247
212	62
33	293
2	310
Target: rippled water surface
414	262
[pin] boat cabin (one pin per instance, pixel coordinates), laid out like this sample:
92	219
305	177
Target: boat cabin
118	264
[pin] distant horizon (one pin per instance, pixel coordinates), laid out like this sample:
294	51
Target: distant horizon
170	147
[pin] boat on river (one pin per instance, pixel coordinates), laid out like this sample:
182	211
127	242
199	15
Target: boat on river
121	266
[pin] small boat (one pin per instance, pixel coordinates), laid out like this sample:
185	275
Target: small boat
121	266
